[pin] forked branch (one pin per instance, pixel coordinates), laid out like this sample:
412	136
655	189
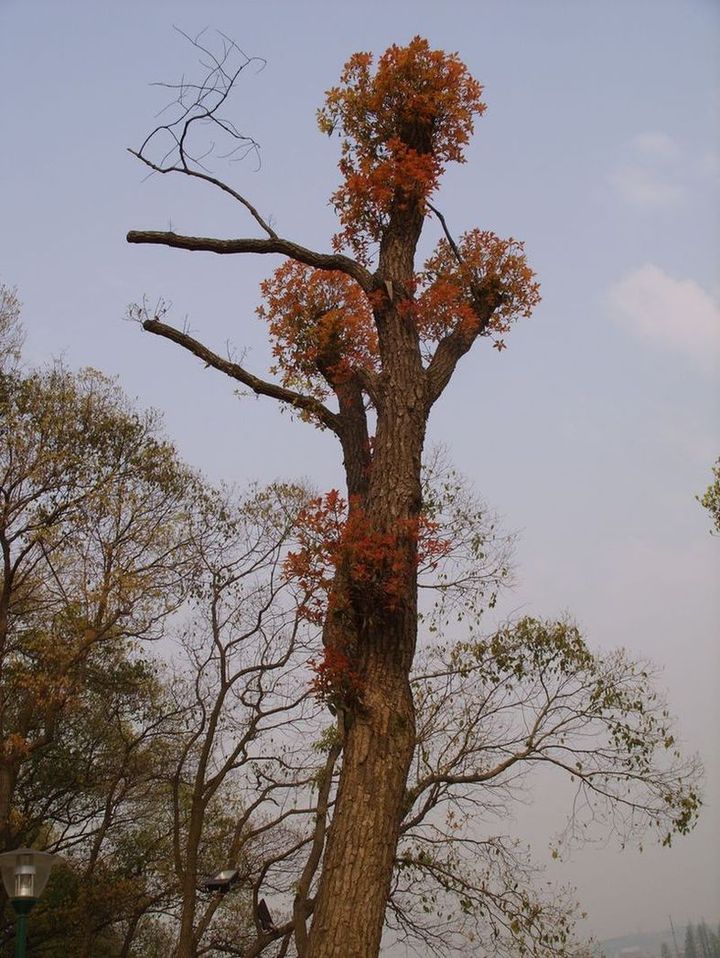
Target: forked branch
453	347
170	148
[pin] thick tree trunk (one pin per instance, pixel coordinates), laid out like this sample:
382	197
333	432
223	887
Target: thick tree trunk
185	947
359	859
358	866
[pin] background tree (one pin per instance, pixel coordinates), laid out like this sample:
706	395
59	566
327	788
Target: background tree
11	331
711	498
493	710
243	769
94	537
708	942
691	948
93	509
95	794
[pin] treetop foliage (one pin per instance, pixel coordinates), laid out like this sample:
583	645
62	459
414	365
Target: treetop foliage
401	126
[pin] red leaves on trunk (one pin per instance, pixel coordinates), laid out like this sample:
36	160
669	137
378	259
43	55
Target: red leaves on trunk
376	563
336	682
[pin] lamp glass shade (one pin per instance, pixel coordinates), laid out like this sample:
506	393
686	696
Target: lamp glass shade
25	872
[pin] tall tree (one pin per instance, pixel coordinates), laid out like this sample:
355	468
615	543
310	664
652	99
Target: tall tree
366	339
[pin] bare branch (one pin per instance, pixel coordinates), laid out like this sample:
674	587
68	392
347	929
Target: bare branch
448	234
214	181
208	244
235	371
300	909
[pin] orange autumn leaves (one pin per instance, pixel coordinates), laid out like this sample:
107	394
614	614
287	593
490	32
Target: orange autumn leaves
336	683
452	288
332	536
401	125
322	323
402	121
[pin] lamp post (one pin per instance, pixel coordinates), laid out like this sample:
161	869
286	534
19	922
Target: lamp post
24	873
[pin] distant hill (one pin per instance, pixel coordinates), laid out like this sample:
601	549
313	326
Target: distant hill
644	945
647	945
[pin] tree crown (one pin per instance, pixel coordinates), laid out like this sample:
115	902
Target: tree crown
401	125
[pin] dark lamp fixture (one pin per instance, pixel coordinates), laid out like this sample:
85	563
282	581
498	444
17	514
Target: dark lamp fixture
223	881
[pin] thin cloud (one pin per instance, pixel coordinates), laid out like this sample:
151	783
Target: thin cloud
657	145
651	174
647	189
676	314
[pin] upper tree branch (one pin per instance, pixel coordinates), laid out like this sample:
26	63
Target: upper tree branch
214	181
274	244
461	338
454	346
472	777
258	386
448	235
198	105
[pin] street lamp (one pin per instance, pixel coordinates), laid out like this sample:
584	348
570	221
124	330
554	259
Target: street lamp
222	881
24	873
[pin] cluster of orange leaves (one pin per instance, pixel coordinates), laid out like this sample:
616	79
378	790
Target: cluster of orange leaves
320	320
377	563
335	682
401	125
14	747
488	264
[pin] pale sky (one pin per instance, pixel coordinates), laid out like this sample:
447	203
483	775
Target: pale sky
591	434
